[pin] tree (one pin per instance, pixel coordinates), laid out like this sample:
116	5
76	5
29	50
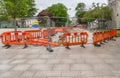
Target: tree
80	9
19	8
3	14
58	10
31	8
97	12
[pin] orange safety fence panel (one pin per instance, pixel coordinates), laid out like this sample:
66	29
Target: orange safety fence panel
60	29
95	38
14	37
69	39
43	42
36	34
84	37
45	32
99	37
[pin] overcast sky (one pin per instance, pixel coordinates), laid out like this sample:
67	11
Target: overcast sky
43	4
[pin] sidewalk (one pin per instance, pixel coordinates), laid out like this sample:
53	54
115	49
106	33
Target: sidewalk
37	62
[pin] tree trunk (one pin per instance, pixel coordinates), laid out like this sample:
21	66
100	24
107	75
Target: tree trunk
14	23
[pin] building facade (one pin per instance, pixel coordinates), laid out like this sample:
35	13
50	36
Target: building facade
115	7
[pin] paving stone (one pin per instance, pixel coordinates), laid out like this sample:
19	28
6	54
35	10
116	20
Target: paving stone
60	77
75	56
99	77
117	73
53	61
71	73
102	67
31	56
5	67
88	73
18	61
79	61
68	61
5	61
104	73
36	61
21	67
48	73
22	56
111	61
48	56
94	60
116	66
11	74
81	67
63	67
107	56
28	74
41	67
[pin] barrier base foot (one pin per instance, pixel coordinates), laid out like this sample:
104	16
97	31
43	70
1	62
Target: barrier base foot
105	41
25	46
67	47
113	39
8	46
49	49
35	45
97	45
5	46
102	43
83	46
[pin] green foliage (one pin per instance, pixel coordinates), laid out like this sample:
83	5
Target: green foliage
97	12
58	10
16	8
5	17
20	8
31	8
80	7
118	32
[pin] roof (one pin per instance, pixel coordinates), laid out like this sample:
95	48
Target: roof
44	13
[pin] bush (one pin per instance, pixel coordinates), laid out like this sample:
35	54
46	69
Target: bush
118	32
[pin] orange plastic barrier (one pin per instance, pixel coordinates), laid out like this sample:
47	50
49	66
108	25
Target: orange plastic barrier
83	27
60	29
15	37
43	42
36	34
69	39
40	37
45	32
99	37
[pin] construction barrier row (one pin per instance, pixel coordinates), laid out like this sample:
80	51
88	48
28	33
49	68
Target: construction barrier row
40	37
27	37
99	37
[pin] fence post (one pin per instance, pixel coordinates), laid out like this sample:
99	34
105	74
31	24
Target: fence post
49	37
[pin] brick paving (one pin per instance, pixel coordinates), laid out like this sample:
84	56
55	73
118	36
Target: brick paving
37	62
